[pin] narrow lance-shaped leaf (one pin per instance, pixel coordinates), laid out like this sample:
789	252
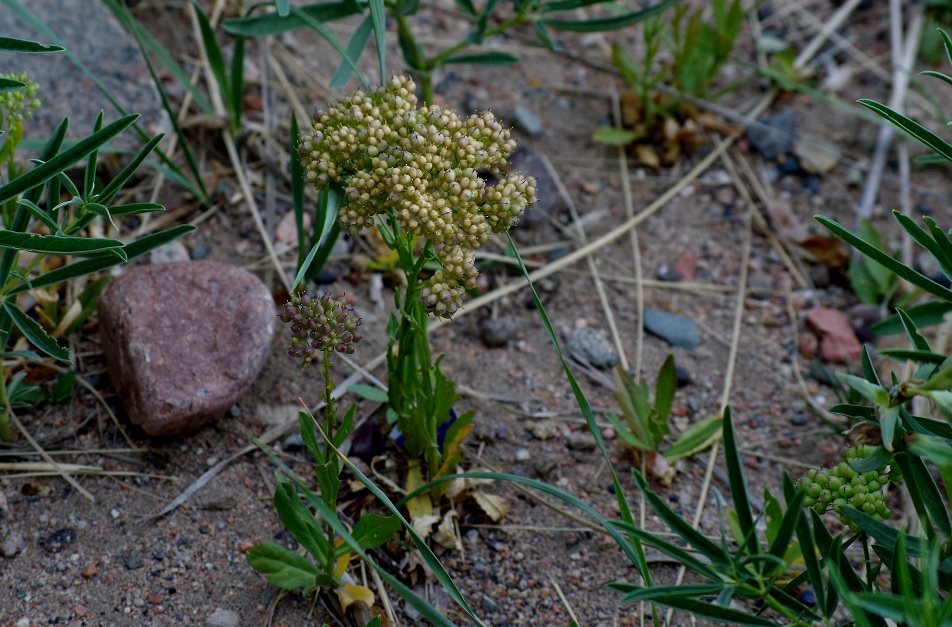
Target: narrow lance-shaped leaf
913	128
275	24
33	332
9	44
62	161
904	272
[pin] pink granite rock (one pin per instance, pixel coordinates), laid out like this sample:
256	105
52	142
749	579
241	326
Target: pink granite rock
183	341
838	342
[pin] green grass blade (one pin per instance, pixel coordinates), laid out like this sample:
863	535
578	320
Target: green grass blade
116	184
735	475
274	24
330	38
624	509
904	272
213	53
354	47
148	44
600	25
926	240
237	84
923	489
484	58
57	245
378	13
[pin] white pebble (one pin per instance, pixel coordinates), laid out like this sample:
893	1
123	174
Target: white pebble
523	455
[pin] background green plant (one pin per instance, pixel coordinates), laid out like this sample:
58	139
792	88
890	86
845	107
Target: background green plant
422	65
646	420
698	42
33	223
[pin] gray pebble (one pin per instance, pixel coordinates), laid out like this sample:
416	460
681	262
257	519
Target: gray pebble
12	545
496	332
591	346
223	618
674	329
799	419
488	605
669	274
134	561
293	442
772	136
526	121
580	441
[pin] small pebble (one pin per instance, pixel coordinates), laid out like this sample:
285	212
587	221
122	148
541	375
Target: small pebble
223	618
200	252
114	513
523	455
526	121
799	419
669	274
134	561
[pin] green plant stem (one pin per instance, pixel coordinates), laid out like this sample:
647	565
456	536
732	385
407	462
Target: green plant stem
5	409
330	408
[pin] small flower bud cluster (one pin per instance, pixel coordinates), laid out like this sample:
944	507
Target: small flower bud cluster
320	325
16	104
833	488
422	164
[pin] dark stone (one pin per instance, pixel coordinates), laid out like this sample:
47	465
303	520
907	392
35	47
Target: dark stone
200	252
772	136
496	332
683	375
59	540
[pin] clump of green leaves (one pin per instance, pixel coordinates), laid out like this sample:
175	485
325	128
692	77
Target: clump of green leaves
698	42
486	22
646	419
37	226
872	283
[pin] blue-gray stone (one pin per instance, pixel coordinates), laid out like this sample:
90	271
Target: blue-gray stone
591	346
674	329
526	121
772	136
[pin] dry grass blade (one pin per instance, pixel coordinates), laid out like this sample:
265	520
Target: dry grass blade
267	437
57	467
562	598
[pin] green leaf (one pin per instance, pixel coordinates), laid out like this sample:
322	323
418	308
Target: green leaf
665	387
623	432
904	272
683	557
483	58
941	380
299	521
369	392
544	37
40	215
608	23
62	161
920	357
695	439
58	245
328	206
275	24
378	12
925	493
709	610
373	530
870	391
97	264
613	136
62	390
679	526
735	475
8	84
911	127
9	44
874	461
285	569
856	412
33	332
354	47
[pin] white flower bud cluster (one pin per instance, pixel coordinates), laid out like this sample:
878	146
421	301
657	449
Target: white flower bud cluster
423	164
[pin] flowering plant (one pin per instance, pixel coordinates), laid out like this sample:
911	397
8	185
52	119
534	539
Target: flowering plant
414	174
